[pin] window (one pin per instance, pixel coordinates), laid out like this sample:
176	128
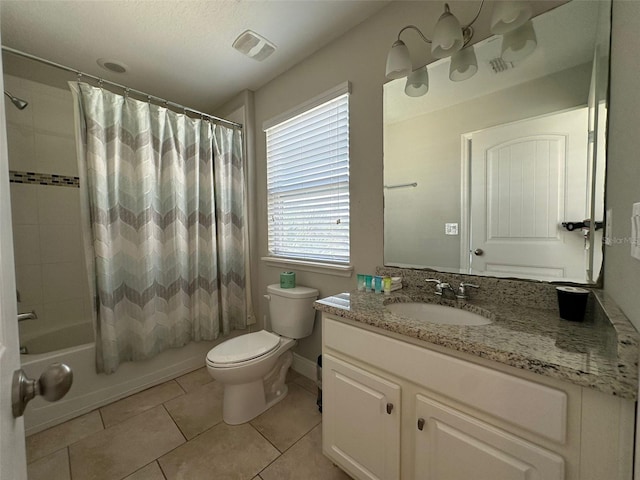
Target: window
308	181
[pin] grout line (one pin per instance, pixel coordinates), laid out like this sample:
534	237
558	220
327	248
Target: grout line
101	418
177	426
263	436
161	470
69	462
286	450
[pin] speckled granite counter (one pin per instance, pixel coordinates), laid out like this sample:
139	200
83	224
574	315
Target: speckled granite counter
601	353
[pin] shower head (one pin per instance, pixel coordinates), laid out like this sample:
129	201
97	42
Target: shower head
19	103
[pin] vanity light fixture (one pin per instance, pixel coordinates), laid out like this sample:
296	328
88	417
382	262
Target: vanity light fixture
450	39
518	44
417	82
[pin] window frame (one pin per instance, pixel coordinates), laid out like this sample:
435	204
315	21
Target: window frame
309	263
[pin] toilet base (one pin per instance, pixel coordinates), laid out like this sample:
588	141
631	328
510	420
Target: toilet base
244	402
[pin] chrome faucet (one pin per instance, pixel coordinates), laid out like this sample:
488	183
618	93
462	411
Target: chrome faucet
460	293
462	290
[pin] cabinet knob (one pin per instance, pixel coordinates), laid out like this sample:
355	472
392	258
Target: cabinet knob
420	424
389	408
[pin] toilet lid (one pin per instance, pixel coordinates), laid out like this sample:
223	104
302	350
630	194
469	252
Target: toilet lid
242	348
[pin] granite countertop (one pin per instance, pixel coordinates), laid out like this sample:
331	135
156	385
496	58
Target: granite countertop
599	353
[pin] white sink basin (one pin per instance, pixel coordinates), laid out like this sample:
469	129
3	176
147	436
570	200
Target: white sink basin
434	313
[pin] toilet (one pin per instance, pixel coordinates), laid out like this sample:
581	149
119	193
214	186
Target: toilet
253	367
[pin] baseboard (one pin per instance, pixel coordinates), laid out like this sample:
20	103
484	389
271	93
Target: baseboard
304	366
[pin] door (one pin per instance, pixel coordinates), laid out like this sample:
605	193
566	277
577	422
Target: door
451	445
526	179
12	449
361	421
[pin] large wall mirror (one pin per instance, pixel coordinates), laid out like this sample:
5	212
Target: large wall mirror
480	175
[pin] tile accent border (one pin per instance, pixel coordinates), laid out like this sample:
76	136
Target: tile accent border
44	179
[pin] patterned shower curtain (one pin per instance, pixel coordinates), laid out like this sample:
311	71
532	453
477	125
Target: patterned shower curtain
165	202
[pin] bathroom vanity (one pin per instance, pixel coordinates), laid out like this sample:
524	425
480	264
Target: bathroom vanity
527	396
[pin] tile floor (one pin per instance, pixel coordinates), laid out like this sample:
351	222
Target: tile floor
175	431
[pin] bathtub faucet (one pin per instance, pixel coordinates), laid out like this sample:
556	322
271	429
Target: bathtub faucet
27	316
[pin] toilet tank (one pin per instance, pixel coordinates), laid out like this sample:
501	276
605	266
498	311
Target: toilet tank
291	310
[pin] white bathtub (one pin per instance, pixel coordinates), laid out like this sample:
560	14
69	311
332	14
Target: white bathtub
91	390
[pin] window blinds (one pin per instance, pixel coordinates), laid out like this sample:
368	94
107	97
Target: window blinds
308	184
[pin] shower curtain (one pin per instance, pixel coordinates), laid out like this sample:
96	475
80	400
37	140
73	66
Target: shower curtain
164	200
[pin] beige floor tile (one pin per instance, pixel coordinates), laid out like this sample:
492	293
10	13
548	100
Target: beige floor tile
139	402
194	380
304	460
54	466
287	421
222	453
306	383
126	447
198	410
60	436
150	472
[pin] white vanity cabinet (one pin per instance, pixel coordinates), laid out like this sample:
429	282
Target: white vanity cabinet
369	405
450	445
394	409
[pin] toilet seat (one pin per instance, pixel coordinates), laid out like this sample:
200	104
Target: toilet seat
243	348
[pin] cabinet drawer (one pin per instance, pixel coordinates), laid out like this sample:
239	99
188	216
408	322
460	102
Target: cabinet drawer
535	407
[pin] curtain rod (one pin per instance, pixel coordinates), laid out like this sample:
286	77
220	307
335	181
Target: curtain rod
118	85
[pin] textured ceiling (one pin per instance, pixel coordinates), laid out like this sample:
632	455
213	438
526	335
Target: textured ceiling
178	50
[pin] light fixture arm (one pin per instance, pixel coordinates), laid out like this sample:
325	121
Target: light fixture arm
413	27
467	30
474	18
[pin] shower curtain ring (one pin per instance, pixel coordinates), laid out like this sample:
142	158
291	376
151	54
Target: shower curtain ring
101	83
126	92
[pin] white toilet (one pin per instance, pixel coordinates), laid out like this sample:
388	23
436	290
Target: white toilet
253	367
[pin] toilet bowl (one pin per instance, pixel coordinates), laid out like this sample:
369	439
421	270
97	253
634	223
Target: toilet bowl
253	367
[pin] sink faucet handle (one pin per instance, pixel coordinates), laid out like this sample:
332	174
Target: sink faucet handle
438	283
462	289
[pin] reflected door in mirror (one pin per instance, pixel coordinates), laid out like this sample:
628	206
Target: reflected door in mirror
527	178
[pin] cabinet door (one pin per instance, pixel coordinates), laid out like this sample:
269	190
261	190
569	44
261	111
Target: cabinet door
361	421
451	445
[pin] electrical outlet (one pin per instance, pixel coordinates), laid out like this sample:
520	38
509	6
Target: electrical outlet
635	231
451	229
608	228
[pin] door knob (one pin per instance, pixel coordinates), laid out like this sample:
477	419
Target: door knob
389	408
53	384
478	252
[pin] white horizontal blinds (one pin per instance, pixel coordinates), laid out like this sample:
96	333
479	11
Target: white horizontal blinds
308	184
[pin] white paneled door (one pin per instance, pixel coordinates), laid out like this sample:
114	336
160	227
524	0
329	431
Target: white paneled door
526	179
12	449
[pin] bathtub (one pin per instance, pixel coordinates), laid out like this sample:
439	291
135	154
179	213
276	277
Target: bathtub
91	390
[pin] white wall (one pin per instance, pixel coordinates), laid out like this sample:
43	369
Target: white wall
50	272
622	273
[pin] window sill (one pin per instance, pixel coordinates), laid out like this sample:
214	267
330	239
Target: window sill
316	267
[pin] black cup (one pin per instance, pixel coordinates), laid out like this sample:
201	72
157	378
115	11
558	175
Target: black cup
572	302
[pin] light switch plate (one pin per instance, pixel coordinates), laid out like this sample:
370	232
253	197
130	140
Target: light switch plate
451	229
608	228
635	231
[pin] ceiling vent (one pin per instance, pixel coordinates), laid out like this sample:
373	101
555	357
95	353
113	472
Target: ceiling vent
499	65
253	45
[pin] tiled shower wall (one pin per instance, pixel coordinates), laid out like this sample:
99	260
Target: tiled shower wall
49	254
